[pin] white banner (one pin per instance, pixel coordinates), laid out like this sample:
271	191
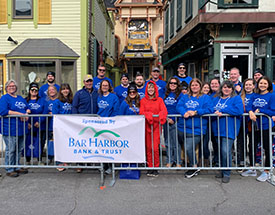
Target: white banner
118	139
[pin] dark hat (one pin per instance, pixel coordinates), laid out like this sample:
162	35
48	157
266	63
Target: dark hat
182	64
132	86
155	69
258	70
124	75
184	85
34	85
51	73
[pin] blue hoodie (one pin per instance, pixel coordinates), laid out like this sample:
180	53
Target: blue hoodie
171	103
7	103
266	105
203	105
97	81
141	92
61	107
187	79
232	106
108	105
125	109
44	90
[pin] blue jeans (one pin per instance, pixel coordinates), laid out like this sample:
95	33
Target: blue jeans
14	147
226	156
173	148
191	143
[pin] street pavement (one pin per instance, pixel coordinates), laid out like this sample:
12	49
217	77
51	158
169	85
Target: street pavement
46	191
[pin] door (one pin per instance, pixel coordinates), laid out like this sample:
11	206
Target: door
236	55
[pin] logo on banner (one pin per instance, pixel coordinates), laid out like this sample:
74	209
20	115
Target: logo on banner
102	147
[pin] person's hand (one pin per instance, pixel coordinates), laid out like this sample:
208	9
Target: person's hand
238	88
273	118
36	124
170	121
186	115
218	113
24	119
29	126
192	112
252	116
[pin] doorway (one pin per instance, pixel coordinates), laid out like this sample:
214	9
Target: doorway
236	55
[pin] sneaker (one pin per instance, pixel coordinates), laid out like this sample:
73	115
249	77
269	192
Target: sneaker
155	173
191	173
22	171
108	171
263	177
12	174
250	172
225	179
149	173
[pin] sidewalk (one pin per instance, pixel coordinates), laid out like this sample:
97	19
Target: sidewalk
50	192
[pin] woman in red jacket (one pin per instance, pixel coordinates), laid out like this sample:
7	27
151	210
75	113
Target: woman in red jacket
151	105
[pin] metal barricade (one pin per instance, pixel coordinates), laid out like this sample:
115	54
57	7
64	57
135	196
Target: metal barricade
242	147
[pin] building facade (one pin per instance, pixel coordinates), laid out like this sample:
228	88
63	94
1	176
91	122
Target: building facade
214	36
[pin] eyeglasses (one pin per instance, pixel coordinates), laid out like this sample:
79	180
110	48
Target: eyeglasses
182	68
174	83
132	92
34	89
102	70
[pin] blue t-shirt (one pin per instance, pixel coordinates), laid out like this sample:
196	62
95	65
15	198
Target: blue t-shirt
202	104
232	106
38	107
187	79
49	104
161	87
125	109
44	90
171	103
7	103
141	92
108	105
61	107
97	81
121	92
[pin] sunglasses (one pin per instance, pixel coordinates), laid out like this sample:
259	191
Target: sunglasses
34	89
182	68
174	83
102	70
132	92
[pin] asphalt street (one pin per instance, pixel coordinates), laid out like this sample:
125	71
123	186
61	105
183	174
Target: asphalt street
46	191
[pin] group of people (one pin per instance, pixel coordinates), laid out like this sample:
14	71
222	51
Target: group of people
158	101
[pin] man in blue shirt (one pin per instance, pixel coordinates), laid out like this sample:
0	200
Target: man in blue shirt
160	83
122	90
140	83
100	77
85	100
182	73
50	82
234	77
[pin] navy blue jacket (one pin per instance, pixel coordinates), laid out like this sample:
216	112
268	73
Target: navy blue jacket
85	102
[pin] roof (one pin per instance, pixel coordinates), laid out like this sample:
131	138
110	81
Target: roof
42	48
109	3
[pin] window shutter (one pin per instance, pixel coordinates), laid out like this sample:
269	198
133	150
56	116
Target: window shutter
3	12
44	11
179	14
172	20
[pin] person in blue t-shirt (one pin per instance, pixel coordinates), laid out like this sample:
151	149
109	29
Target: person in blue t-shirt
13	129
258	73
155	74
191	107
50	82
63	105
263	101
122	89
226	128
139	80
234	77
108	106
36	125
130	106
100	77
183	74
171	98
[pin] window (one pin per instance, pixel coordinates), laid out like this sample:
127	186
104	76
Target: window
237	3
179	14
172	12
166	24
22	9
188	10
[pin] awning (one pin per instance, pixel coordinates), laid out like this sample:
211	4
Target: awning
110	61
52	47
176	57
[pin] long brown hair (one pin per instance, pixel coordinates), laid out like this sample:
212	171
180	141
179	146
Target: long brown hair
129	101
110	87
168	90
190	93
61	97
243	93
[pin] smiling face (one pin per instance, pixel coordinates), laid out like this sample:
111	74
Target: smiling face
105	86
249	86
139	81
151	90
195	87
88	84
173	84
65	92
234	75
125	81
205	89
214	85
50	79
226	91
52	91
263	85
132	94
101	71
11	88
257	76
155	75
34	92
181	71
